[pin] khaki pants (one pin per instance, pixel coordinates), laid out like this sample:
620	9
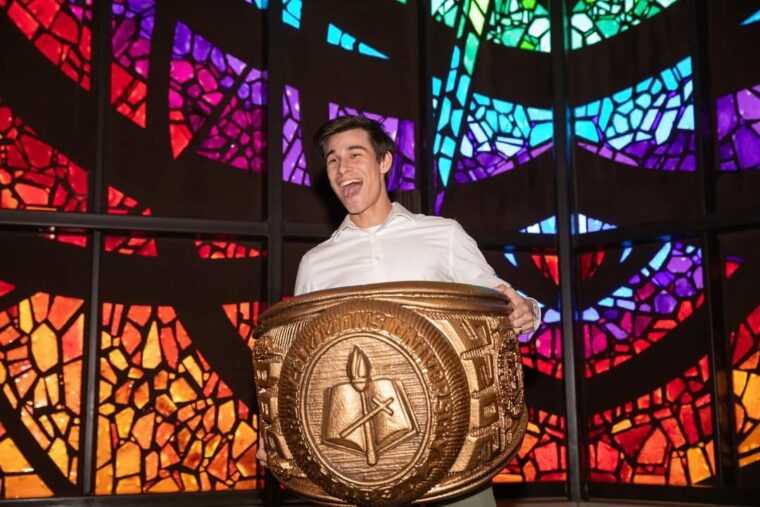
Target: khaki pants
482	498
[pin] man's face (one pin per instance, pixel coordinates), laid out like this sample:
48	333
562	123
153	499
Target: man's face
355	175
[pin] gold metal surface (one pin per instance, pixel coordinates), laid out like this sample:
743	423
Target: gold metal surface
389	394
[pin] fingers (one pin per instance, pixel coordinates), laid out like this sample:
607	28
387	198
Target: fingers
521	317
261	453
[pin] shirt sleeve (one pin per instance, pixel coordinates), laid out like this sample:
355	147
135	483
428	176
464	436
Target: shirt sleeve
304	282
468	265
466	262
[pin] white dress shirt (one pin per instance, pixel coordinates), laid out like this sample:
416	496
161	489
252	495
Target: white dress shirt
406	247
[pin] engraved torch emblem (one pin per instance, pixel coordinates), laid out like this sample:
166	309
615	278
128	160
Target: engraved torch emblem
364	415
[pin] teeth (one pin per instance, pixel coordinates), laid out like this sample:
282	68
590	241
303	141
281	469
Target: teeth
348	182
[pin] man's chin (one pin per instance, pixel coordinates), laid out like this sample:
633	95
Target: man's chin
352	207
354	210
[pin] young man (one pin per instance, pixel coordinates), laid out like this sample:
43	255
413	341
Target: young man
380	241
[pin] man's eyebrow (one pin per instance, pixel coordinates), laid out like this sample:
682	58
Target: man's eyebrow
354	147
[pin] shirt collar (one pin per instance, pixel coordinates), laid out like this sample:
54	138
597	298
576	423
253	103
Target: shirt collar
397	211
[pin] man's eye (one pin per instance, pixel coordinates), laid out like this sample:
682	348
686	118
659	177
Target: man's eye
355	155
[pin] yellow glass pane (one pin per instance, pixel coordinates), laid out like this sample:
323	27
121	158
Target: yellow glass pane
698	467
26	486
124	422
182	392
751	397
227	416
143	430
45	347
128	460
152	351
245	436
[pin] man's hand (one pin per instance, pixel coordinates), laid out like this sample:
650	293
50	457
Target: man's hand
261	453
522	317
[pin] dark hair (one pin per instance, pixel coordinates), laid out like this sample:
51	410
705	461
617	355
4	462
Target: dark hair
381	141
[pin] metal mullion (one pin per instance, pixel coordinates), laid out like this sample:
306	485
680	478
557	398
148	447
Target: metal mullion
719	357
101	90
275	85
733	220
104	221
194	499
516	240
426	127
564	186
638	494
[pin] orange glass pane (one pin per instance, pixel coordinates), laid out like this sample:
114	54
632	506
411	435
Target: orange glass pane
542	455
178	428
657	439
41	344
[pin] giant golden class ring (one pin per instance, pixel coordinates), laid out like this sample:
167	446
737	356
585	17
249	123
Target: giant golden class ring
389	394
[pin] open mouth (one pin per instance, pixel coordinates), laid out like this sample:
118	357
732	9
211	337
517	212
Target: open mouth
350	187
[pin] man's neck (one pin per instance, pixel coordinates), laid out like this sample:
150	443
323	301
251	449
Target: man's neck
374	216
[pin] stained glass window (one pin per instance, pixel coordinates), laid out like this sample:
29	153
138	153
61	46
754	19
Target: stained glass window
261	4
244	317
738	118
454	94
542	455
41	346
206	82
656	300
42	341
753	18
593	21
38	177
522	24
648	125
500	135
745	360
741	305
445	11
291	12
222	249
60	30
537	274
175	394
132	23
584	224
662	437
35	176
342	39
166	421
293	157
174	414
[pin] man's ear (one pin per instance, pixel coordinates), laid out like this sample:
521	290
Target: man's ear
386	162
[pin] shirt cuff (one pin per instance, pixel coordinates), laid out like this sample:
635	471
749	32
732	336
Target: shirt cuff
536	313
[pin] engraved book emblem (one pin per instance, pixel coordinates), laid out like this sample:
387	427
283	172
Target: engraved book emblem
365	415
